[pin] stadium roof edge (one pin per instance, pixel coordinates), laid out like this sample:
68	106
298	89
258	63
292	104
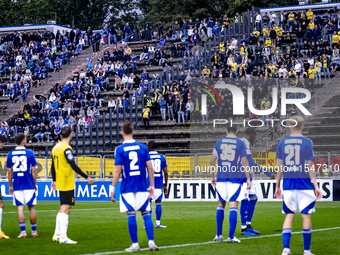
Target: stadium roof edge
299	7
53	27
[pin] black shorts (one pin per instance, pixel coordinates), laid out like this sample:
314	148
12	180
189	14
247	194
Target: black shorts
0	195
66	197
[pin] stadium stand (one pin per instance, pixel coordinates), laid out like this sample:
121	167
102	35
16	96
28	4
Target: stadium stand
287	51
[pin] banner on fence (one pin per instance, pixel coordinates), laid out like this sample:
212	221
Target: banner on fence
179	190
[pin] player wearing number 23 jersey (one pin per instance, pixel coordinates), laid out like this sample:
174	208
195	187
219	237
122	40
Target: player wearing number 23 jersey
21	165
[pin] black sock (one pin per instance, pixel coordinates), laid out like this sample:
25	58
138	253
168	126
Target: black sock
248	226
243	229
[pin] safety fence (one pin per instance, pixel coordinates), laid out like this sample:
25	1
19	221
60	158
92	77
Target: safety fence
179	165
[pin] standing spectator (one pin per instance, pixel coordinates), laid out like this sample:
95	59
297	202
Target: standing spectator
210	26
146	111
127	31
162	105
180	110
258	21
176	28
160	29
170	106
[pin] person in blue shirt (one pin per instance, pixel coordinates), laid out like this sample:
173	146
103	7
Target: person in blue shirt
248	205
133	164
295	157
216	28
159	166
162	42
210	26
21	165
232	180
127	31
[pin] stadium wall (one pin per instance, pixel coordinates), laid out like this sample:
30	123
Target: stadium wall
179	190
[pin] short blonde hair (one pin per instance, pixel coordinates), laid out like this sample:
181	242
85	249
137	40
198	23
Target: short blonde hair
297	121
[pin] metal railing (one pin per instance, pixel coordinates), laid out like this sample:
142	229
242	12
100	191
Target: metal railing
180	166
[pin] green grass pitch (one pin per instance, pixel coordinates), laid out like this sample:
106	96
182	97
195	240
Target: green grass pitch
99	227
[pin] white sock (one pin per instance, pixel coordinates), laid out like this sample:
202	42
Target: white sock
63	220
158	222
0	218
57	225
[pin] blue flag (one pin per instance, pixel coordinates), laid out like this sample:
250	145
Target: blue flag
89	60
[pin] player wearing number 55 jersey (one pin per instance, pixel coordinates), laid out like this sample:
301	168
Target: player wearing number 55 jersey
295	161
21	165
159	166
63	168
133	162
232	182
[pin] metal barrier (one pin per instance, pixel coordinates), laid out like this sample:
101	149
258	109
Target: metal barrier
180	166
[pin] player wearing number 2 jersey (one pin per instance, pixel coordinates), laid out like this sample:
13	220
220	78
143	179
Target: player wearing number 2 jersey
295	160
21	165
132	161
232	182
159	166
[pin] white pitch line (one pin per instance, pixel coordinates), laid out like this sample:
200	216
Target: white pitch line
204	243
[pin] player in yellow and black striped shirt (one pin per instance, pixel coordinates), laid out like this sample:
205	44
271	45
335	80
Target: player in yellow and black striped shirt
63	168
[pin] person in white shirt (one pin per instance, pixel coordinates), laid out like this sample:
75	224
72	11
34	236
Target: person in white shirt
297	68
189	107
125	80
310	61
111	104
258	21
81	43
130	82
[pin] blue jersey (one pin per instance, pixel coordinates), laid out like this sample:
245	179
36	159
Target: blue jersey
229	150
132	156
295	150
21	161
251	162
158	164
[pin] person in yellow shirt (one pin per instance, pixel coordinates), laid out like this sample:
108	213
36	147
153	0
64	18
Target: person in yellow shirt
62	169
291	17
311	24
265	32
222	47
255	32
309	14
265	105
205	72
268	42
146	111
233	66
318	67
335	39
311	76
279	31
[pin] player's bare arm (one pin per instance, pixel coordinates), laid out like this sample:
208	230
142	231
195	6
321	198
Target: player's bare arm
311	171
116	175
151	189
280	165
53	184
245	164
35	175
166	176
10	177
212	170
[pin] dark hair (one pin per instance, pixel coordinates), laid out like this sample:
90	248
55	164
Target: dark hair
3	139
127	128
65	132
151	145
231	129
19	137
250	131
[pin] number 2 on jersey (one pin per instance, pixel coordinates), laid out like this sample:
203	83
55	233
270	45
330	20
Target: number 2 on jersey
134	167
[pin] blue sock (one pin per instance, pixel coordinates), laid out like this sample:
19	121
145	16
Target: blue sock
307	238
244	213
150	207
219	219
286	234
232	221
148	226
132	224
158	211
251	208
22	226
34	226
